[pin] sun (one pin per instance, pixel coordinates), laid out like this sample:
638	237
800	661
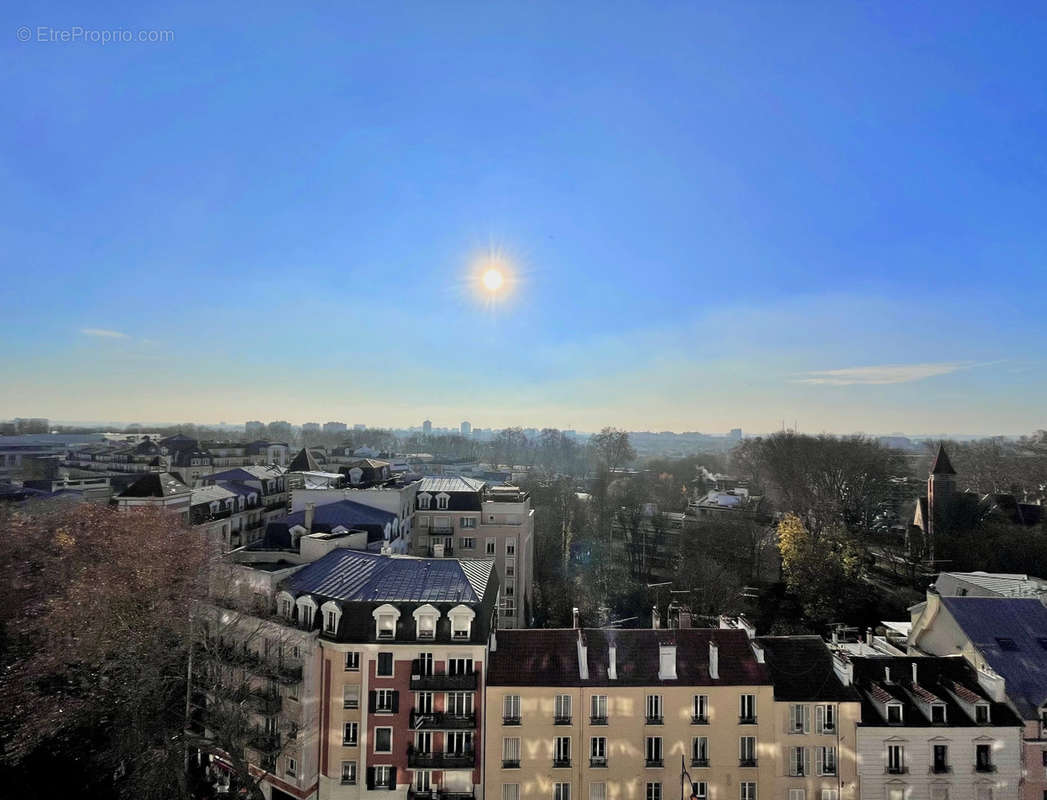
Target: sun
493	280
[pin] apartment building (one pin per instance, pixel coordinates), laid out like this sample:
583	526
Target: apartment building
610	714
1005	640
404	644
467	518
930	730
816	719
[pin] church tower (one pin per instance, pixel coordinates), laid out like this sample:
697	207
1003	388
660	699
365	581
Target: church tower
941	485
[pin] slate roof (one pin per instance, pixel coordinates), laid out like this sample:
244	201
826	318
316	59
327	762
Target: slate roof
942	464
248	473
156	484
305	461
209	494
1023	620
936	676
453	483
802	669
347	513
550	657
353	575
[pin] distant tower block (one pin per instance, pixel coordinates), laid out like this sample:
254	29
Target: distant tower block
465	428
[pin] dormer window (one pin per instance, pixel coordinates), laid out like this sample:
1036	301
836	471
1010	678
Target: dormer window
285	605
461	622
385	618
424	500
981	713
938	713
425	621
332	615
894	713
306	612
442	500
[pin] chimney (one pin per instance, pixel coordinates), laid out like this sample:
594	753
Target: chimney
886	674
758	652
583	658
836	636
574	617
844	668
714	660
494	641
310	511
656	617
869	636
612	662
914	678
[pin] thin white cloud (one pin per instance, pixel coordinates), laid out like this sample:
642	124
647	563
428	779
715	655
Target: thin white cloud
103	333
883	374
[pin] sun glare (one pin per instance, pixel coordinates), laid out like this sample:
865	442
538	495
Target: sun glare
493	280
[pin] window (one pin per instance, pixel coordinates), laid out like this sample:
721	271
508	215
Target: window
332	614
510	791
441	501
598	751
598	709
511	709
490	547
938	713
653	751
458	742
461	622
940	762
747	790
797	718
384	776
383	740
825	718
598	791
352	661
383	700
508	606
384	668
459	666
747	709
423	781
467	522
510	547
423	664
894	714
561	791
700	751
350	733
511	752
832	794
292	766
700	709
797	761
423	742
895	759
747	751
562	753
350	696
286	607
797	794
700	790
460	704
349	772
983	758
826	760
425	621
510	570
424	702
981	714
654	790
562	710
654	709
469	543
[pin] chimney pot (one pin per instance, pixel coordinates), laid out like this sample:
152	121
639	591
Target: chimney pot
914	678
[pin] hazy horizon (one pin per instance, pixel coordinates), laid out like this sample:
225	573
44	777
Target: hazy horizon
708	217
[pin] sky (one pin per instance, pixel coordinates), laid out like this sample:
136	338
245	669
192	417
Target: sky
709	214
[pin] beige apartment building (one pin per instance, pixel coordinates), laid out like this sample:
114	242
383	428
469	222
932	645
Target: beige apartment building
598	714
463	517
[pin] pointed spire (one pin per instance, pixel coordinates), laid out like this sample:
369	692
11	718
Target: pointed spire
942	465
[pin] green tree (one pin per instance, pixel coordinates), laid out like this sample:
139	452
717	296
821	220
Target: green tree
822	568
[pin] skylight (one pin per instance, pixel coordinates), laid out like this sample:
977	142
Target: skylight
1006	643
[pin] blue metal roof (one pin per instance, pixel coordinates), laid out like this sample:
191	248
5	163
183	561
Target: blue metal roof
347	513
354	575
1011	634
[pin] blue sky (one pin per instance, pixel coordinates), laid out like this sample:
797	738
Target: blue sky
715	214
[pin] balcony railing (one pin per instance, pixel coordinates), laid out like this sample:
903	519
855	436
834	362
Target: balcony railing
598	720
597	761
511	720
463	760
267	703
441	681
562	719
510	763
442	721
896	770
561	762
439	530
699	762
985	768
264	742
654	720
438	794
746	762
699	719
653	762
448	551
747	720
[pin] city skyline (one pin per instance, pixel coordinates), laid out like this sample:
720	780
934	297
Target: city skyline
832	215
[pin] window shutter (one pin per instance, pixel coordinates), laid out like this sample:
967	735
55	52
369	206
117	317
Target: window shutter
392	778
792	719
396	702
372	701
370	777
805	755
819	718
806	719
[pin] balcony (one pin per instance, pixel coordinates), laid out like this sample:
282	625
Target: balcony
442	721
266	703
562	719
940	769
439	530
652	720
653	762
597	720
697	719
511	720
510	763
746	762
561	762
985	768
264	742
448	551
463	760
441	681
699	762
438	794
747	720
896	770
597	761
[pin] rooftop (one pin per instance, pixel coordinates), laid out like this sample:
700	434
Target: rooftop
802	669
156	484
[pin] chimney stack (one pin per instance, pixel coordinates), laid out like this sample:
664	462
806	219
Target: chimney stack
656	618
574	616
886	674
915	679
714	660
310	512
612	662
